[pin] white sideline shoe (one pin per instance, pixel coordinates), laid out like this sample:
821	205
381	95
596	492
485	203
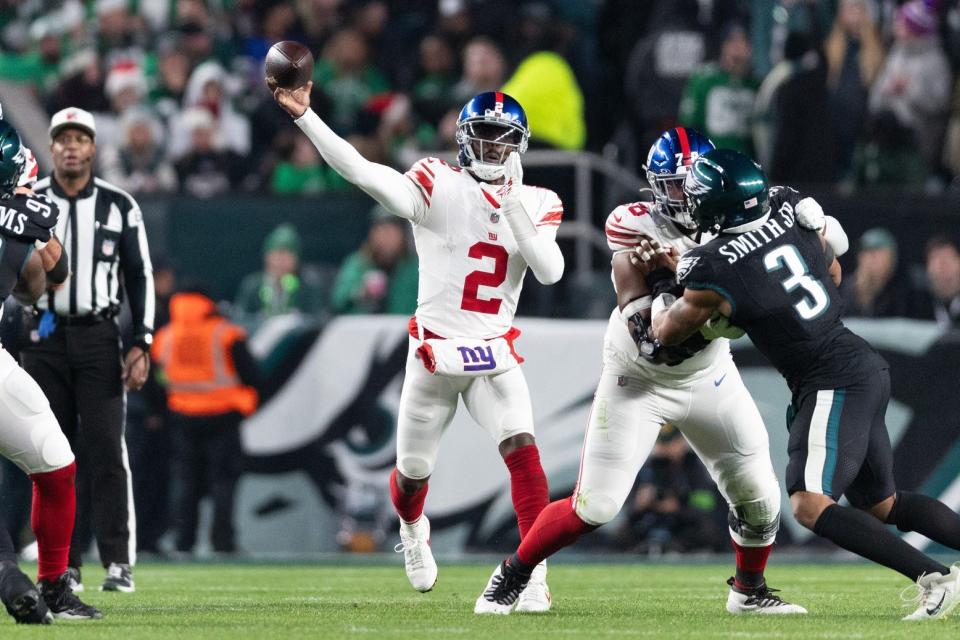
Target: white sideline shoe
536	597
759	601
502	591
936	595
417	556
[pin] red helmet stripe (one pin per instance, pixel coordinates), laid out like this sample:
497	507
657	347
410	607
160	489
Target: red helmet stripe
684	144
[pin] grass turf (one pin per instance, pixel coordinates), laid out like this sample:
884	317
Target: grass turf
267	602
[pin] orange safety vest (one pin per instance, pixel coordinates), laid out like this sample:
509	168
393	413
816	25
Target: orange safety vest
194	351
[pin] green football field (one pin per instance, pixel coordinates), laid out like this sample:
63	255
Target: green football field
198	601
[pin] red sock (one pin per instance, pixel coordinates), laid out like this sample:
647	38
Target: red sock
751	561
409	506
557	526
528	485
54	509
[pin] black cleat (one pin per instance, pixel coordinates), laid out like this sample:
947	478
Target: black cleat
21	598
502	590
61	601
119	578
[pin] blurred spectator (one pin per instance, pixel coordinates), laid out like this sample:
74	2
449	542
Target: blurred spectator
345	75
719	98
283	286
914	84
170	77
40	65
116	29
546	87
793	138
854	55
207	169
211	380
126	87
138	164
82	85
943	273
484	69
209	89
382	276
877	288
676	506
432	95
303	172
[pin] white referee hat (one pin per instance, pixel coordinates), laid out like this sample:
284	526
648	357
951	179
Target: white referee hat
72	117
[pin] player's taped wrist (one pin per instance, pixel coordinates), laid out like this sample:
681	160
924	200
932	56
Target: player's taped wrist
520	223
634	307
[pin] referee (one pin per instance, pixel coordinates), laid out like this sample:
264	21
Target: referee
74	350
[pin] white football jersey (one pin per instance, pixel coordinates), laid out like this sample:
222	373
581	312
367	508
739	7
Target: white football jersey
626	226
471	271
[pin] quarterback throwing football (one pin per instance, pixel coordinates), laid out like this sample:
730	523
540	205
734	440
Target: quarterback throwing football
477	229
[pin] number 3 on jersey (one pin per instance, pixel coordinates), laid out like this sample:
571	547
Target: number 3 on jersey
788	256
476	279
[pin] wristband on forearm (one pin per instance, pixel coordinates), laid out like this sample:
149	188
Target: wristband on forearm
60	271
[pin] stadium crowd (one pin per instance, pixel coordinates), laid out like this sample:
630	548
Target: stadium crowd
849	92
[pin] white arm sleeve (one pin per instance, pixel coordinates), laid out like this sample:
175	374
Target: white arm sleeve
537	246
835	236
389	187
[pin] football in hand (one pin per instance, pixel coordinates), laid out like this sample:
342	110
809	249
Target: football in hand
288	65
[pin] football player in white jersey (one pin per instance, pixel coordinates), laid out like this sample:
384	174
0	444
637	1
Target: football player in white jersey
477	229
696	387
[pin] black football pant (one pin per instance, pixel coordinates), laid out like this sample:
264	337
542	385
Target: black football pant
79	369
208	462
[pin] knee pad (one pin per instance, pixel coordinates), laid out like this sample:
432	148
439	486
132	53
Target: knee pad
596	508
51	445
755	523
34	423
414	467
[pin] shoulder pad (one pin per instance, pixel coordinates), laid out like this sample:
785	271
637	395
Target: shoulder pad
627	224
550	211
424	173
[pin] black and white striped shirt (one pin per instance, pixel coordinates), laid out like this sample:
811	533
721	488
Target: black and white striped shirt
103	233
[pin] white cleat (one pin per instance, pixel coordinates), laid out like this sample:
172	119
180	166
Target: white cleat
536	597
502	591
936	595
759	601
417	556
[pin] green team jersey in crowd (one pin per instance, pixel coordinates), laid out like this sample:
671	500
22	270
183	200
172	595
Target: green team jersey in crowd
720	106
350	291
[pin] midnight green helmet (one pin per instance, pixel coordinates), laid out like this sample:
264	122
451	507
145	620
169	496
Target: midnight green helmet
725	189
12	159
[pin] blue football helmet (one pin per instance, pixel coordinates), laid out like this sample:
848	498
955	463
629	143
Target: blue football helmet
491	126
669	159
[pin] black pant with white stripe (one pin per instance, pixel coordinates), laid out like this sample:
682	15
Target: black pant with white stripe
839	443
79	369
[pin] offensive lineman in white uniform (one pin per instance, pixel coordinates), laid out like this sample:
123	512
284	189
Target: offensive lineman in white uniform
697	388
477	228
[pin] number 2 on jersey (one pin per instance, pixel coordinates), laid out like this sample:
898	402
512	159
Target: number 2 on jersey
788	256
478	278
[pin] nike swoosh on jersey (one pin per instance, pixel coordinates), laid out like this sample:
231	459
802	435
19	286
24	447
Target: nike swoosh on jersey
717	383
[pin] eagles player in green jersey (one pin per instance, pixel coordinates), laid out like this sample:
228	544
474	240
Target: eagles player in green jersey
778	281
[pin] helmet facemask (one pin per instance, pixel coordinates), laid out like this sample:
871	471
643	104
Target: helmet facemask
485	145
668	192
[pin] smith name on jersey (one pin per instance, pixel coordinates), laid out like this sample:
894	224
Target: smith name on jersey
777	282
471	271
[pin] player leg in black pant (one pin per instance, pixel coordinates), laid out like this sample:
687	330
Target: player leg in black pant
839	446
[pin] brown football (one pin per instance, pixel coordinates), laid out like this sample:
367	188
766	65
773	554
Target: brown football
288	65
